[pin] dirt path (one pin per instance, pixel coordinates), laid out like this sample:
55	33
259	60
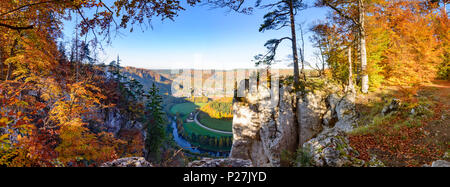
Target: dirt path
443	90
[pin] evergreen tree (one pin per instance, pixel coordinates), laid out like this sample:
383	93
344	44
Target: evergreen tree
282	15
154	123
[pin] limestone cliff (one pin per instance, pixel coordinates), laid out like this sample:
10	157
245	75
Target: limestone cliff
267	122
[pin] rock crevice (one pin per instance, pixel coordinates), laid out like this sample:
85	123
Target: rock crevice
267	123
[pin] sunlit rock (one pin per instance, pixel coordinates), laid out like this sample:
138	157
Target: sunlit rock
225	162
128	162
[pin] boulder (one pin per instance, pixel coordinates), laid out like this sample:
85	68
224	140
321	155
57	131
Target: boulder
225	162
128	162
393	106
440	163
330	149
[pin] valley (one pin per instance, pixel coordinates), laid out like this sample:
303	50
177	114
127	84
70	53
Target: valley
280	83
203	122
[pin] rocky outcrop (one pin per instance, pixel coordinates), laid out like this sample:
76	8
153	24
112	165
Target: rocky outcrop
393	106
205	162
226	162
440	163
345	113
114	121
268	122
310	110
118	124
263	126
330	148
128	162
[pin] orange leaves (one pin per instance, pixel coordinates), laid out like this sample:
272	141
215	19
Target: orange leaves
50	89
402	141
414	49
80	100
133	143
78	145
4	121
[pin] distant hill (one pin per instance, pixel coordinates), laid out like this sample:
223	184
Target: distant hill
147	77
207	82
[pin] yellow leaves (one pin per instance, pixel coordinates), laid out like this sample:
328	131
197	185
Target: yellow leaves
4	139
5	121
81	99
60	111
78	144
50	89
412	51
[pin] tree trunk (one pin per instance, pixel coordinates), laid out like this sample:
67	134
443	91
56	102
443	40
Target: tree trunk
294	45
350	71
323	62
364	75
302	54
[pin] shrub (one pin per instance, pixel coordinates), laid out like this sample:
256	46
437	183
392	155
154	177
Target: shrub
303	158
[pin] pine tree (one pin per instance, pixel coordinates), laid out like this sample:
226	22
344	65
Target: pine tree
154	123
282	15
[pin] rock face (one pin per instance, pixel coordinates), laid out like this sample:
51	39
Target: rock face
226	162
310	110
330	149
346	114
268	122
440	163
263	126
117	123
128	162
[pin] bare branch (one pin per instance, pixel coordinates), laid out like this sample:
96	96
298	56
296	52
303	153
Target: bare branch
27	5
18	28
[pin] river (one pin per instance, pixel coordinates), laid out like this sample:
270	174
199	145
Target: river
186	145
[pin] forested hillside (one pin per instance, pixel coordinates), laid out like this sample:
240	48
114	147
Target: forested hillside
149	77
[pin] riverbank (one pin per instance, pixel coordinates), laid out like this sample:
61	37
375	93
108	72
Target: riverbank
192	148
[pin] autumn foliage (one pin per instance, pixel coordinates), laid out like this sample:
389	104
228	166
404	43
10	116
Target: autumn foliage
219	108
52	105
407	42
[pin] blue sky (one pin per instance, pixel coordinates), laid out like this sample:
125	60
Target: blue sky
202	38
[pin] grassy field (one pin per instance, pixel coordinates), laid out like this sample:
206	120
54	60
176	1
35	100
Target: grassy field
185	108
218	124
194	128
